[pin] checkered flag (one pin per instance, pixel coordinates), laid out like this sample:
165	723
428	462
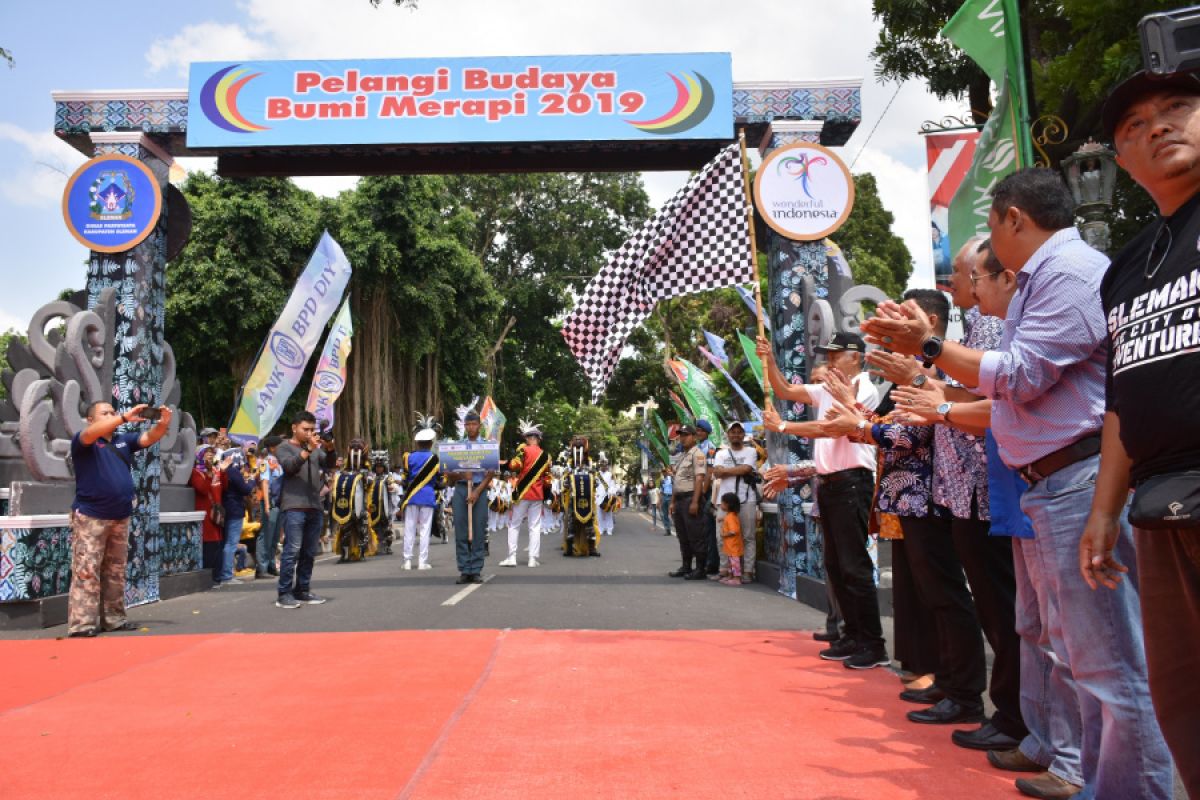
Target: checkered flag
697	241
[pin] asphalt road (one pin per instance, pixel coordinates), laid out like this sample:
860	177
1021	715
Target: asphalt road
627	588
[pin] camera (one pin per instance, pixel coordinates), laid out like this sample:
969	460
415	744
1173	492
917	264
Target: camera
1171	41
152	414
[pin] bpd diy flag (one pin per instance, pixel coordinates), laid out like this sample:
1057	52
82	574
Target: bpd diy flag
330	377
292	340
699	240
989	31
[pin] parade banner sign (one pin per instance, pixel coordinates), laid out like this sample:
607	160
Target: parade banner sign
112	203
468	456
989	31
292	341
457	100
330	377
804	191
701	395
949	156
491	419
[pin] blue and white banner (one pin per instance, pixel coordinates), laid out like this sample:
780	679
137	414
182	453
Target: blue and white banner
292	340
455	100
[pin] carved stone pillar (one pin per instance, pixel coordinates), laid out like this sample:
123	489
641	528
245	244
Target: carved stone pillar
139	278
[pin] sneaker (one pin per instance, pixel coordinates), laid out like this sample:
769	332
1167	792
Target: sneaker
868	658
424	566
309	598
841	650
233	582
511	561
407	564
287	601
533	562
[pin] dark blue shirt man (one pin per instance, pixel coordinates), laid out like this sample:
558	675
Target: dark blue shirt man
104	494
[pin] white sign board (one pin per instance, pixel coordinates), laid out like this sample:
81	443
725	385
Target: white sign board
804	191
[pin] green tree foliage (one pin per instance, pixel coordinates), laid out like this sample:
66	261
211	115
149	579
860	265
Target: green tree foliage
877	256
250	240
1078	50
5	338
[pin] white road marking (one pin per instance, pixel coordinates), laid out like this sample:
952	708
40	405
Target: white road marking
461	594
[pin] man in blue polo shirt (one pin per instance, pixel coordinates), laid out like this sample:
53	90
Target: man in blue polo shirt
100	516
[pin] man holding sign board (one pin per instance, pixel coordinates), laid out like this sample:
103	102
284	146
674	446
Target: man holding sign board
470	469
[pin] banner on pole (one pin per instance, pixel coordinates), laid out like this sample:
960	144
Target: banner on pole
292	341
701	395
330	376
989	32
491	419
949	157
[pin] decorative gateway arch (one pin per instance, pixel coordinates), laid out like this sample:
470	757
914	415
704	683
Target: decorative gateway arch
513	114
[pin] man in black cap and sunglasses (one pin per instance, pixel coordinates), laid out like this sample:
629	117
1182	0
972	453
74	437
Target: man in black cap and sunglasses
1151	439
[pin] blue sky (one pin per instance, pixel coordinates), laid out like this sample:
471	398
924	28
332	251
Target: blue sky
82	46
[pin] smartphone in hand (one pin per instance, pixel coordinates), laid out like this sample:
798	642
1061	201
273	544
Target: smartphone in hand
151	414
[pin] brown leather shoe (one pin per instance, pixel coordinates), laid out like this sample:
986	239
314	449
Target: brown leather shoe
1047	786
1013	761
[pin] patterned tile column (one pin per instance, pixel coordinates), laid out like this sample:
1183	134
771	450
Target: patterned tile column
799	549
139	277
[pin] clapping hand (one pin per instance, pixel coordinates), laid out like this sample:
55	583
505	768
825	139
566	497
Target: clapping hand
839	387
840	420
920	405
900	327
898	369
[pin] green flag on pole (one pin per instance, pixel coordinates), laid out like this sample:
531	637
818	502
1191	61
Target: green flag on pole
685	416
989	31
662	426
701	395
749	348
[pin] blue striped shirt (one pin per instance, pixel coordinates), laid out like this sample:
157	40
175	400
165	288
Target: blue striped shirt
1047	378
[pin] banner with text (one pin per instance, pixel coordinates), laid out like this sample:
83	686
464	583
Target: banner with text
457	100
292	340
330	377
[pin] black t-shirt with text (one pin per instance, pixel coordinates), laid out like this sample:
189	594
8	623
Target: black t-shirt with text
1154	330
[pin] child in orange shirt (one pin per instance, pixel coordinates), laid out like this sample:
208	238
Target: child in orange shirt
731	538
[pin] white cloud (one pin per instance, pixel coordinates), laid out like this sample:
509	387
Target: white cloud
42	169
903	191
10	321
206	41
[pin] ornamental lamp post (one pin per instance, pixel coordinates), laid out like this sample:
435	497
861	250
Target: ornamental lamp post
1091	173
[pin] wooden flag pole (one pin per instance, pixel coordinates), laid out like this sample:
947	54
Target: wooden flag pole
762	330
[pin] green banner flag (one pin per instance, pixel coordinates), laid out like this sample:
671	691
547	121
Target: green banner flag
701	395
750	349
662	427
989	31
685	416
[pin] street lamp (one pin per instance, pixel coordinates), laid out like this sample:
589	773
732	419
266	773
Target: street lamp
1091	173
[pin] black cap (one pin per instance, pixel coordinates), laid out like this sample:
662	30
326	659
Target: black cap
1138	86
472	416
843	341
685	430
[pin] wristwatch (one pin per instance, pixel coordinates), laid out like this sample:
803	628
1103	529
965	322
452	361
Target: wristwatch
931	348
781	426
943	410
860	430
919	380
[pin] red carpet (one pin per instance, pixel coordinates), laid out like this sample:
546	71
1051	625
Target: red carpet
465	714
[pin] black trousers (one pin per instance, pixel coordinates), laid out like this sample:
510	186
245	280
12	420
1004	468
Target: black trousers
942	588
915	625
845	503
713	561
691	531
988	562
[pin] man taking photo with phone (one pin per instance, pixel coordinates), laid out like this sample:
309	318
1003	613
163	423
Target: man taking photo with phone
100	515
303	457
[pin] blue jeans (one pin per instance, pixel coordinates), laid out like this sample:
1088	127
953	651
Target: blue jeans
268	540
301	546
233	534
470	554
1049	703
1096	638
666	513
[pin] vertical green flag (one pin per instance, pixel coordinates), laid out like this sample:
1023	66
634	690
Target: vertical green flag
749	348
701	395
685	416
662	426
989	31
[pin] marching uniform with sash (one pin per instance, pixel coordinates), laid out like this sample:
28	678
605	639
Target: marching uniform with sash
353	539
532	467
580	533
382	500
607	497
423	476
